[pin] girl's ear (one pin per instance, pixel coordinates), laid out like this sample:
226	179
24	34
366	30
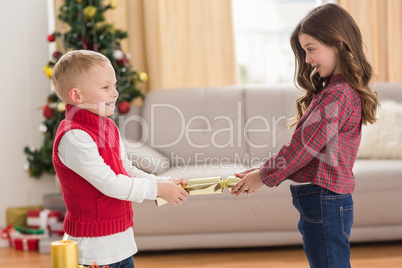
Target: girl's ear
75	96
341	45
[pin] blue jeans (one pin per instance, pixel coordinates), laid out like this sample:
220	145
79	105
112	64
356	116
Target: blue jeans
326	219
127	263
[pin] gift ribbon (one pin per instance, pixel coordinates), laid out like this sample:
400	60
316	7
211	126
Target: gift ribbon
212	185
5	234
25	244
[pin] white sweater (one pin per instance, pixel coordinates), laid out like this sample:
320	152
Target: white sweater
77	147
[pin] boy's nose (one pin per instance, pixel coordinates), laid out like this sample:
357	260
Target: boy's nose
115	93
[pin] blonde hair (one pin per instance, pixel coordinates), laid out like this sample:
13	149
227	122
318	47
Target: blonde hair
333	26
70	69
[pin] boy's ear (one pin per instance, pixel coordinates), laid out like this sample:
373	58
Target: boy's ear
75	96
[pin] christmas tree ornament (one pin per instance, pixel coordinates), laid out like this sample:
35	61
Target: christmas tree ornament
42	129
61	107
48	112
56	55
51	37
113	4
52	105
123	62
143	76
123	107
89	11
118	54
48	71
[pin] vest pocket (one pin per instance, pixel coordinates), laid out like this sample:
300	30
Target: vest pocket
109	208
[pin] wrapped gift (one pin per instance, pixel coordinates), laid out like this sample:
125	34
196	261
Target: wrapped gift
7	236
213	185
27	242
43	218
56	229
4	237
17	216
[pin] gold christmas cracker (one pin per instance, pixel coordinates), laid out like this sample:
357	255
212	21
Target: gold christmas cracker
212	185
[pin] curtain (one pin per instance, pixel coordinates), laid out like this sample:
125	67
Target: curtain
380	22
183	43
179	43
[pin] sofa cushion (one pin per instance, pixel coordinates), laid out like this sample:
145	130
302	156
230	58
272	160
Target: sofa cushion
190	125
388	91
146	158
267	115
378	188
383	140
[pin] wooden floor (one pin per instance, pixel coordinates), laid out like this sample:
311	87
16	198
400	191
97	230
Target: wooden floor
377	255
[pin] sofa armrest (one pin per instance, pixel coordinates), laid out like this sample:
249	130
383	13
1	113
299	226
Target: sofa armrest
146	158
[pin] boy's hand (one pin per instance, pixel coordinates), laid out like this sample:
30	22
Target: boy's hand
250	183
172	192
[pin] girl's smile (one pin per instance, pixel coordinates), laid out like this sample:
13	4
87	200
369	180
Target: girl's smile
322	58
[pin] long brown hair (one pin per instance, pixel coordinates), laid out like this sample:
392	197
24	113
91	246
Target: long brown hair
333	26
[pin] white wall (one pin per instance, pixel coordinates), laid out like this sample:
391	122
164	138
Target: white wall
24	88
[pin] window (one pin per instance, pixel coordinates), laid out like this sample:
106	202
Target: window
262	33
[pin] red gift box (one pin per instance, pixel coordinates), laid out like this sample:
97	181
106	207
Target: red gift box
43	218
7	236
27	242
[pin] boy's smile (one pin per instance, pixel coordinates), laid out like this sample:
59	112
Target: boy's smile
97	91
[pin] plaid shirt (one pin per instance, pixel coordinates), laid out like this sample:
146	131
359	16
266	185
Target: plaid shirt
324	145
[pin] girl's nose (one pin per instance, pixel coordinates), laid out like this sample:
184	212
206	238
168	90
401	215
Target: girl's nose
308	59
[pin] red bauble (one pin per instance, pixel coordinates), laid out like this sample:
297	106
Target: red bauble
123	107
51	37
48	112
56	54
124	61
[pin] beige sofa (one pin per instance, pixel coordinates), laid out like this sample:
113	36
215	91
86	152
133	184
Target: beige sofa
209	132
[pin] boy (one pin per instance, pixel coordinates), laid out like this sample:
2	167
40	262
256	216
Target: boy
97	180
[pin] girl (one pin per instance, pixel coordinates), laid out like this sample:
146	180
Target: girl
333	71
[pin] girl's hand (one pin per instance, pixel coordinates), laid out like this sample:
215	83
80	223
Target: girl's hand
179	181
250	183
244	173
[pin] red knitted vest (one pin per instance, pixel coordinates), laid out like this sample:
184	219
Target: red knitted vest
89	212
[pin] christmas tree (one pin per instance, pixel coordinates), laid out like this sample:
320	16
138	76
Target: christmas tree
86	30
